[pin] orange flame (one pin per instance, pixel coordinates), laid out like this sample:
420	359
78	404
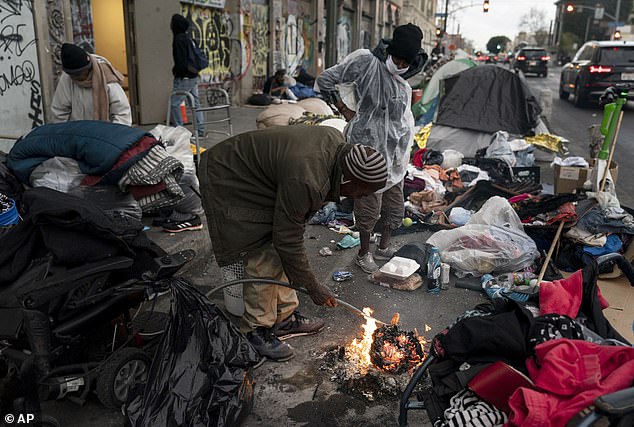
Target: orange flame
358	351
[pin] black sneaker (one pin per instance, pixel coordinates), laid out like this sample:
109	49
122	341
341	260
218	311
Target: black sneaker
193	223
297	325
268	345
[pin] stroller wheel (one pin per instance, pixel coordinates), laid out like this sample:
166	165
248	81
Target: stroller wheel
126	367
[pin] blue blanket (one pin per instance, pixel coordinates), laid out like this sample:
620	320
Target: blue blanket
96	146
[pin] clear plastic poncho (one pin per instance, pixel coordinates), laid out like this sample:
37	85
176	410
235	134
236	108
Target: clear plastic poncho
383	117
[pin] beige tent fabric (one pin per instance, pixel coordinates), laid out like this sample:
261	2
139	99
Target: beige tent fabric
278	115
316	105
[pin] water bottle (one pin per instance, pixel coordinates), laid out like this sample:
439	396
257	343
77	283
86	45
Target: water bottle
433	271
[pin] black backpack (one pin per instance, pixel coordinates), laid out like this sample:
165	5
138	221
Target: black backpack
196	59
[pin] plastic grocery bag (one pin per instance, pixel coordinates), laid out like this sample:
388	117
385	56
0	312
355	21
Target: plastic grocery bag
176	142
59	173
201	372
493	241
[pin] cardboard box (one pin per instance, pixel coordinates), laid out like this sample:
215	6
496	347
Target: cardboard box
570	178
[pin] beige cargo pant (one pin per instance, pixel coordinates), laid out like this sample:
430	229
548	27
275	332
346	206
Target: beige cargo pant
266	305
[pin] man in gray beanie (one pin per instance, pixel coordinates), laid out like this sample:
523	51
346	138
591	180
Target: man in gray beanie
259	188
380	117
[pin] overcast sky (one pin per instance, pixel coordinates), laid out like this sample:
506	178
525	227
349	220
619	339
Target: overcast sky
503	18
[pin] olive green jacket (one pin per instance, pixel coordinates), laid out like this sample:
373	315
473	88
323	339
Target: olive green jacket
261	187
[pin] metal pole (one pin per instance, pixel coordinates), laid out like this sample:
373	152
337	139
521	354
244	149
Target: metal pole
331	33
561	23
444	29
618	12
585	38
550	34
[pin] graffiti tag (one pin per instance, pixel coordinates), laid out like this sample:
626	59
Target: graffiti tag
11	41
17	75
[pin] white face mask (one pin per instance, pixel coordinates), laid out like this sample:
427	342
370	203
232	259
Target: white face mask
393	68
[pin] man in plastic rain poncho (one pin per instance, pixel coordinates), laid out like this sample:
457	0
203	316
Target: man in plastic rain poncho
259	189
380	118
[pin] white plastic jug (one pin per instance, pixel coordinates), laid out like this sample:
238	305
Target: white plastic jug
233	300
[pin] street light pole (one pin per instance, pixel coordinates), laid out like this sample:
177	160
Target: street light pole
585	38
444	25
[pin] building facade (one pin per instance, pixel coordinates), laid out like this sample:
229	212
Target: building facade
245	40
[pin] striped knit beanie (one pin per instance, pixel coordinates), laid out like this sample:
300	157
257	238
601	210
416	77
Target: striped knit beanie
366	164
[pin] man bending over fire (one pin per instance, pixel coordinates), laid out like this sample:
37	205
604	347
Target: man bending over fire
259	189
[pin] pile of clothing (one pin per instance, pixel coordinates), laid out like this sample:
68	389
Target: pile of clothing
503	362
73	156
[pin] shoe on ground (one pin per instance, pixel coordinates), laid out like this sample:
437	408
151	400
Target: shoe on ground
297	325
161	221
270	346
366	263
193	223
384	254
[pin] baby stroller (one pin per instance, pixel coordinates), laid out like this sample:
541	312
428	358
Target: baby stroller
462	371
69	328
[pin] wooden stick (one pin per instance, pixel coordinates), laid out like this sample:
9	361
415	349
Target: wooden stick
607	168
550	252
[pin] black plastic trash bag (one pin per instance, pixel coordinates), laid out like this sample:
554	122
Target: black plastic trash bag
201	373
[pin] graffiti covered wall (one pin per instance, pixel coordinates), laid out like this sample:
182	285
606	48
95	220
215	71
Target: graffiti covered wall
220	39
344	35
20	88
260	39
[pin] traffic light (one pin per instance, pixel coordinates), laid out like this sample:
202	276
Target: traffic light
570	7
617	35
485	6
438	32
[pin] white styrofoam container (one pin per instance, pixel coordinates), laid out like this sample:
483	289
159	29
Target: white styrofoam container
399	268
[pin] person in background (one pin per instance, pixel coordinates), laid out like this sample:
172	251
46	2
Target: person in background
259	188
89	88
383	120
279	86
185	79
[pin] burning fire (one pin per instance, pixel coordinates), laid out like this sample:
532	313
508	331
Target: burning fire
358	351
394	350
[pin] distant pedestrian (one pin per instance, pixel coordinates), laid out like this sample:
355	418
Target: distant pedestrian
89	89
381	119
279	85
185	77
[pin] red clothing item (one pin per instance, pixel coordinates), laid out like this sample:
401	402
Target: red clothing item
564	296
570	375
143	145
417	160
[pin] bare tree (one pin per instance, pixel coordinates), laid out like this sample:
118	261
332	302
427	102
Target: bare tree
541	37
534	20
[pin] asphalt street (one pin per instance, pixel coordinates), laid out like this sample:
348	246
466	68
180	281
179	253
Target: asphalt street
572	123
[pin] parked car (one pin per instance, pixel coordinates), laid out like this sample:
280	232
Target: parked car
596	66
532	60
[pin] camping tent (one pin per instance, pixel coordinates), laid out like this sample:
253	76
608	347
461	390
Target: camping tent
488	98
425	108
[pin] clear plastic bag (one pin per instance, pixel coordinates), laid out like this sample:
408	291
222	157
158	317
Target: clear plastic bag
176	141
58	173
500	148
493	241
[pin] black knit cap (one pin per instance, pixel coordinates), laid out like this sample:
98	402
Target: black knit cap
74	59
405	42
